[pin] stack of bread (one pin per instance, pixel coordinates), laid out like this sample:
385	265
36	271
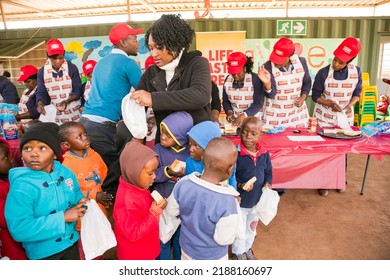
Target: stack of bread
342	131
230	128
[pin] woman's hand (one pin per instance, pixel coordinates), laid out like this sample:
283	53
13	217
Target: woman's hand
265	77
41	108
62	106
300	100
334	106
229	116
142	97
238	121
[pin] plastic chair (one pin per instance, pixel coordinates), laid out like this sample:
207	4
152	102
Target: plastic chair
365	79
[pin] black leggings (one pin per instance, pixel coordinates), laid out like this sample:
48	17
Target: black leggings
70	253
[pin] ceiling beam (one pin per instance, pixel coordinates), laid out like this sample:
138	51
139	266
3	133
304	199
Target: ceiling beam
40	11
3	15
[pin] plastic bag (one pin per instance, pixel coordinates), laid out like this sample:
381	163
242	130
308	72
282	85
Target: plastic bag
275	130
97	235
167	226
267	207
134	117
376	128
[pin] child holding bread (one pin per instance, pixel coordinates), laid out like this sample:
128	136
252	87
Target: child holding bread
172	151
209	212
254	171
136	214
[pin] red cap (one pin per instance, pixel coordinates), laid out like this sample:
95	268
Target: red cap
27	71
348	49
236	61
54	46
121	31
149	61
88	66
283	49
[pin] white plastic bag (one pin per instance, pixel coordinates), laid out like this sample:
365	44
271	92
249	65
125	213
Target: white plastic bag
167	226
97	235
267	207
134	117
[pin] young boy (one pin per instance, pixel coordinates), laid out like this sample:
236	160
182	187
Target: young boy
87	165
208	211
198	137
136	215
253	161
8	246
44	202
173	145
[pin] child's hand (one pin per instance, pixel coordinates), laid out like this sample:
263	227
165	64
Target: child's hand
268	185
76	212
162	203
104	198
172	173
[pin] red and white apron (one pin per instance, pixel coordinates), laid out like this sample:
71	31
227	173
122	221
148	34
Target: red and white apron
22	107
240	98
281	110
59	90
339	91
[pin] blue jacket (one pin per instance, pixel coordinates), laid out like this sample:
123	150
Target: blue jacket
35	208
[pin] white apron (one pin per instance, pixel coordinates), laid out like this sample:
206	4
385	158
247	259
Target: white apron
22	107
339	91
59	90
240	98
281	110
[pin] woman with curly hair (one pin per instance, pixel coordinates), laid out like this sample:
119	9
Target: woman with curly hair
180	79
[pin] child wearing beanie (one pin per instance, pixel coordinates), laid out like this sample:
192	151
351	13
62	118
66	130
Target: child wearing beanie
199	136
44	202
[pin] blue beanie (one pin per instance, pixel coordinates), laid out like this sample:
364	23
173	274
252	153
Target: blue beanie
203	132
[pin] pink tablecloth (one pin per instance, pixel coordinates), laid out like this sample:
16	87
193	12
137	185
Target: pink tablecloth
315	164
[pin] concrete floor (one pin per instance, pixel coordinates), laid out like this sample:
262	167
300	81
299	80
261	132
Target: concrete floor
341	226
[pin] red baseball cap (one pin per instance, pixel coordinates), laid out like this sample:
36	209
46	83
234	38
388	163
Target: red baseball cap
88	66
149	61
121	31
283	49
27	71
54	46
236	61
348	49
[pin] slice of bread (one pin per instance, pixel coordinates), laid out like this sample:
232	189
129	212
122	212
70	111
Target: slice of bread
156	196
352	132
249	183
229	128
177	165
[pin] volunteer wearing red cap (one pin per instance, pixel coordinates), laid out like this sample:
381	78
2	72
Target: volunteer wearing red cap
291	76
27	107
59	84
8	91
88	67
180	79
244	91
113	77
337	87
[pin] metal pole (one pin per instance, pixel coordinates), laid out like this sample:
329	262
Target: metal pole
365	174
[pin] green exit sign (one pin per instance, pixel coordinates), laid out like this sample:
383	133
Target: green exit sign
291	27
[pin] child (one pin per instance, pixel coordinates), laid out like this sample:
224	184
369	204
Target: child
44	202
208	211
8	246
173	145
152	128
253	161
199	136
381	108
136	215
88	67
87	165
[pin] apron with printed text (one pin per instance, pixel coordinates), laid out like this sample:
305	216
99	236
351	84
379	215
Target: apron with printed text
59	90
240	98
339	91
281	110
22	107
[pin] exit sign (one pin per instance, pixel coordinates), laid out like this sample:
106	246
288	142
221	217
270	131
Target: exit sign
291	27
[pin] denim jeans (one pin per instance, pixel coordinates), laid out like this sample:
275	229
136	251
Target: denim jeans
165	253
251	219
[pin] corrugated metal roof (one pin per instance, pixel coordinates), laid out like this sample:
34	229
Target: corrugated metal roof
13	10
16	48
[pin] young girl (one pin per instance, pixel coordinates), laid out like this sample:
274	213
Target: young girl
252	161
8	246
44	202
136	215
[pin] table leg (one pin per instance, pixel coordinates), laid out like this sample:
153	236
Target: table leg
365	174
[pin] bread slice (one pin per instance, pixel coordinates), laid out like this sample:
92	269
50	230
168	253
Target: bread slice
249	183
177	165
352	132
156	196
230	129
332	130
